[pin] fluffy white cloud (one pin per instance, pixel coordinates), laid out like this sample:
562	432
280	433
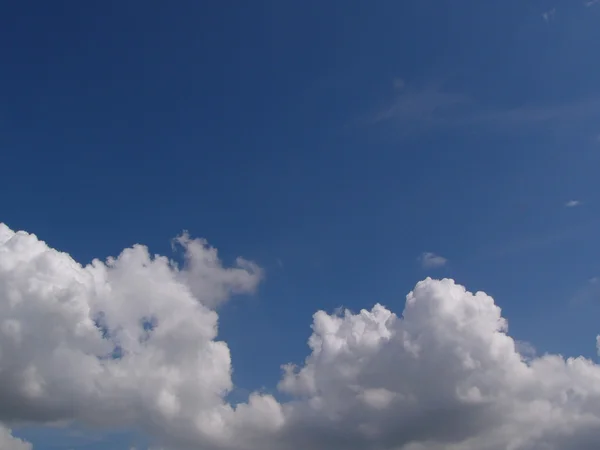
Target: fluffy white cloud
128	341
9	442
444	376
132	341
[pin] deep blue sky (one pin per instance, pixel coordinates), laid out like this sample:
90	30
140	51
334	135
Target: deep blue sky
332	142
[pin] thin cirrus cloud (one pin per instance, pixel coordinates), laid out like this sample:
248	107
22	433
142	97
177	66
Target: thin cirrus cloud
429	260
588	292
421	109
371	379
572	203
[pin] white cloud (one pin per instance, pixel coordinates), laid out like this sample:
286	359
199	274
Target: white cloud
55	362
591	3
208	280
9	442
572	203
444	375
430	260
454	377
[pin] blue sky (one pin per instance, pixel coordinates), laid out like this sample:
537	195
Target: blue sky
332	142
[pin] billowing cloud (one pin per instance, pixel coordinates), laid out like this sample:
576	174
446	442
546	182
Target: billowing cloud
444	376
430	260
127	341
132	341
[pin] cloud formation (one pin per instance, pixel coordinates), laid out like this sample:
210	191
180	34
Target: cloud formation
132	341
572	203
430	260
9	442
128	341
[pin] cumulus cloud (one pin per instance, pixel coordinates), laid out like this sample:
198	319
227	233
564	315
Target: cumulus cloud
430	260
443	376
128	341
9	442
132	341
209	282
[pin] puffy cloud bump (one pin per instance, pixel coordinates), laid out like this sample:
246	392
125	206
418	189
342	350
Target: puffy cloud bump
133	341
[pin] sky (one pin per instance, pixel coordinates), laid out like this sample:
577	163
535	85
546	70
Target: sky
291	161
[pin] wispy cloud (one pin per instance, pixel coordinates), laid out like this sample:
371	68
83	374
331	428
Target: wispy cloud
433	107
591	3
549	15
572	203
538	241
429	260
589	292
428	105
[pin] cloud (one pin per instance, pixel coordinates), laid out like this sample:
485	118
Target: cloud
443	375
430	260
549	15
539	240
209	282
9	442
588	292
427	105
417	110
591	3
572	203
128	341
